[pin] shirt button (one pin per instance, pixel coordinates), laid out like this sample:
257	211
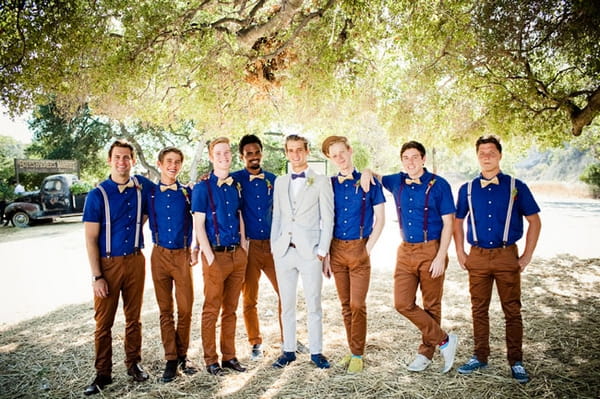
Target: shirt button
229	214
260	220
168	229
346	197
410	223
489	216
489	202
258	208
168	206
168	217
491	242
345	209
227	202
410	199
411	237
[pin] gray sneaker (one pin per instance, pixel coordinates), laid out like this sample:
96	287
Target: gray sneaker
448	352
256	353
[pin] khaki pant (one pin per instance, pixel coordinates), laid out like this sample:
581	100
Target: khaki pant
351	269
222	285
259	259
501	265
412	270
171	268
125	276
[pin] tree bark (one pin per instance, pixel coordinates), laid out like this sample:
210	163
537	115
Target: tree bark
581	118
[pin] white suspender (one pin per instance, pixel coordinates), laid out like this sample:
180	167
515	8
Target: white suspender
508	212
107	218
469	186
138	220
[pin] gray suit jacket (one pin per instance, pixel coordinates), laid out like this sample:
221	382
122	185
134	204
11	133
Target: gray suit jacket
306	220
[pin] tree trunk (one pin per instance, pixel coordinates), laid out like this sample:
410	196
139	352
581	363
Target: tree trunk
581	118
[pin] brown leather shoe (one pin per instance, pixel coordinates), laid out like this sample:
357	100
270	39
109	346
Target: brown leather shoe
97	385
233	364
138	373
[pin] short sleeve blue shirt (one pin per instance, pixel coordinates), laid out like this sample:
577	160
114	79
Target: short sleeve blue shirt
170	216
123	212
227	203
410	204
490	205
257	203
348	198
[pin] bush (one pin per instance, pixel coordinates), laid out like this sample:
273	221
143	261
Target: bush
81	187
591	176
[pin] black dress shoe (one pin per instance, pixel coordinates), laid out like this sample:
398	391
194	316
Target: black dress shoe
233	364
170	371
214	369
138	373
97	385
186	365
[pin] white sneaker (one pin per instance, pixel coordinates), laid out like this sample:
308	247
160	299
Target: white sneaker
448	352
419	364
256	353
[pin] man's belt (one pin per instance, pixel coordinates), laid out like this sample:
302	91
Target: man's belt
225	248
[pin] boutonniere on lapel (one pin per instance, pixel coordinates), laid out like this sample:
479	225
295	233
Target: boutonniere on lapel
309	181
185	194
429	185
269	186
239	189
138	186
514	194
356	186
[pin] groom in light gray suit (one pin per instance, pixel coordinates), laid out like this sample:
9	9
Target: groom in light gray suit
300	238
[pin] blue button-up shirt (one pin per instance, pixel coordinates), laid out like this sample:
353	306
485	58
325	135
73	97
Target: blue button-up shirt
490	205
170	217
123	212
257	203
348	199
227	203
411	205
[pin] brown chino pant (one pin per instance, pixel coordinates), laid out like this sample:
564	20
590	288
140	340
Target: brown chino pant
259	259
501	265
125	276
351	269
171	267
222	285
412	270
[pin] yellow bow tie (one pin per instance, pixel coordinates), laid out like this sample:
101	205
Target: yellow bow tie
410	181
342	178
228	180
122	187
166	187
485	183
258	176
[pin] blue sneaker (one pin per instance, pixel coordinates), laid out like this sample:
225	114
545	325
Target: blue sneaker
320	361
519	373
472	365
283	360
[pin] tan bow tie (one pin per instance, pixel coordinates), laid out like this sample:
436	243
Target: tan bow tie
485	183
166	187
342	178
122	187
258	176
228	180
410	181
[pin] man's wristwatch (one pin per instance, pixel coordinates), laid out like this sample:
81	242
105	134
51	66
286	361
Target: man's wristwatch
96	278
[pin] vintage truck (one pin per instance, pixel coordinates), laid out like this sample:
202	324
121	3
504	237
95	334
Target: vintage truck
55	199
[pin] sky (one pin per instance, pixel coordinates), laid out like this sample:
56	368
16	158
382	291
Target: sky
16	128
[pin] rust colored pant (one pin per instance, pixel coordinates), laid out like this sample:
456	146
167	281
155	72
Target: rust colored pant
351	269
259	259
125	276
501	265
222	285
412	270
171	267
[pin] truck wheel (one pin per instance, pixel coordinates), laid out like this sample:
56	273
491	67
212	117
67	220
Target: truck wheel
21	219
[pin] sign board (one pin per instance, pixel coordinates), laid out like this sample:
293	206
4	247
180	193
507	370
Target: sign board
46	166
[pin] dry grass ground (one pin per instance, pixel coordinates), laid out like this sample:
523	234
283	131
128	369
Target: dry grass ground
52	356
